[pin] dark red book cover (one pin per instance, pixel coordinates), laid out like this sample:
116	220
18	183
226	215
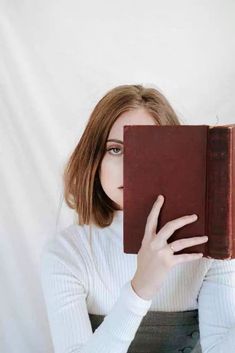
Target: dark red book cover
193	166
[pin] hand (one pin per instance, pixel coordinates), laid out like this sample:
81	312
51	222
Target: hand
155	257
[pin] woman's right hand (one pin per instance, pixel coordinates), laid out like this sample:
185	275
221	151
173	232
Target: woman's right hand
155	257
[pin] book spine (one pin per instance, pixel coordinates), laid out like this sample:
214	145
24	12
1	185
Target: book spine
219	192
232	154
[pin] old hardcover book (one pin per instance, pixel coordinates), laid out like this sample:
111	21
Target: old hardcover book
193	166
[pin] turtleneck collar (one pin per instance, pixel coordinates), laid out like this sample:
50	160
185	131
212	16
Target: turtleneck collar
118	216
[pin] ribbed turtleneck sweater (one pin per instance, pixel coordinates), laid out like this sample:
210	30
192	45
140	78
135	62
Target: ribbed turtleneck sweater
83	272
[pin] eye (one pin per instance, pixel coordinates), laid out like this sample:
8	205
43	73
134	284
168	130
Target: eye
112	149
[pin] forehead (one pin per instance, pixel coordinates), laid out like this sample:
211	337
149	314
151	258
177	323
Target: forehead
133	117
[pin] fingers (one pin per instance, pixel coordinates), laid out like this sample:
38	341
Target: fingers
170	227
152	219
186	243
186	258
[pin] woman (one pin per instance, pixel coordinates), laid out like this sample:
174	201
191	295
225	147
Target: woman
100	299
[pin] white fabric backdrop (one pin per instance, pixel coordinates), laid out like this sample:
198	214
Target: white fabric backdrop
57	59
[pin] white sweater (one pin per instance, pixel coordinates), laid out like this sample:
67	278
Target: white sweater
72	288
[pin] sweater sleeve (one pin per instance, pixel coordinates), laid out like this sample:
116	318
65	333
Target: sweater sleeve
216	307
71	332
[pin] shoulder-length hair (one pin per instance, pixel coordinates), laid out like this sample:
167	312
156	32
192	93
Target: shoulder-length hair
82	188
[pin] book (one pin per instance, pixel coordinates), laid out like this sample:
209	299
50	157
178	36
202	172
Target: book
193	167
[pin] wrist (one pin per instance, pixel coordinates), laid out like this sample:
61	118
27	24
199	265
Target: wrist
142	293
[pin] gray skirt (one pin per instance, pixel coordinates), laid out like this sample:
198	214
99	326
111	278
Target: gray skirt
163	332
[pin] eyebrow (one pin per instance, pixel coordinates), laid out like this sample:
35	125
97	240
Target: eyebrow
115	140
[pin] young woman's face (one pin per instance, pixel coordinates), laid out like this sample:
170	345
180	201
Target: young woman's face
111	170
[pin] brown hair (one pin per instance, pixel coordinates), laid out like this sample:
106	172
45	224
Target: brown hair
82	188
